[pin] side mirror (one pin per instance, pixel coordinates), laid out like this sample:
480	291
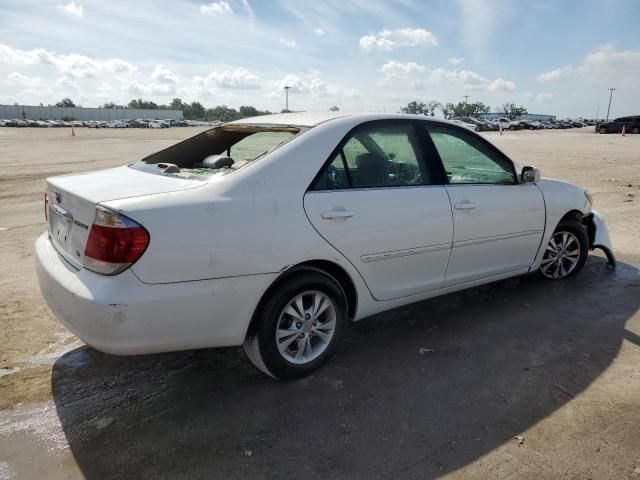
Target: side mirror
530	175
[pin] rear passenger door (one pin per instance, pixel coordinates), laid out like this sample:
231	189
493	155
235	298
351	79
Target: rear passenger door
498	222
379	201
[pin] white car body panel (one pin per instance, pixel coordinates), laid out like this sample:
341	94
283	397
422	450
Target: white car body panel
498	229
216	246
399	239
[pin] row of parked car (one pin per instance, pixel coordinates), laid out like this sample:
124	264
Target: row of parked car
482	125
136	123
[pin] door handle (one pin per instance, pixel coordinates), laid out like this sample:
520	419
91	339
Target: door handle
464	206
333	214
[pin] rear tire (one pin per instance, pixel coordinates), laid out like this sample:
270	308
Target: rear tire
602	130
299	326
566	251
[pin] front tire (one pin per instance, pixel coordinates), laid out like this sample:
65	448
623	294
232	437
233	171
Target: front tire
298	327
566	251
636	130
602	130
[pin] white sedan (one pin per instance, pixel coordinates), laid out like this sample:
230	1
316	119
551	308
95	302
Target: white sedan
275	231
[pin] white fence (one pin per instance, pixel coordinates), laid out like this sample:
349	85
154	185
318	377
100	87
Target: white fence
77	113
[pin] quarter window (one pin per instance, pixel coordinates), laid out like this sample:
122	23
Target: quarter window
467	160
376	155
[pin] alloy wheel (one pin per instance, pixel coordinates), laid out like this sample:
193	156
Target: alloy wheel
561	255
305	327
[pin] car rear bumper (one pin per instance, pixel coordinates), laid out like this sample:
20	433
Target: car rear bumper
122	315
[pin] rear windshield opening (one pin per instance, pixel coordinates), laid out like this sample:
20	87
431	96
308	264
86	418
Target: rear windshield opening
219	150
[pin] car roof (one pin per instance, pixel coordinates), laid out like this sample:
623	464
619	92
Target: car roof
298	119
312	119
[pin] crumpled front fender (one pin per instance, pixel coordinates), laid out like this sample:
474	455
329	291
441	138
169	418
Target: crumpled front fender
599	236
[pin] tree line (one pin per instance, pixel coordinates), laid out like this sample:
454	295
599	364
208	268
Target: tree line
461	109
190	111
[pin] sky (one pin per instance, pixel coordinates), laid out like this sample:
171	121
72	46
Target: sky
554	57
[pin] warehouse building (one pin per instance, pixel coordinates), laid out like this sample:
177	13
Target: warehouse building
27	112
525	116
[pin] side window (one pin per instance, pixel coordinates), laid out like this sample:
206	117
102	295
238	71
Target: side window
467	160
334	176
376	155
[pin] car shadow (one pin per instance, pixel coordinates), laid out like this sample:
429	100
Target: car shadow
412	393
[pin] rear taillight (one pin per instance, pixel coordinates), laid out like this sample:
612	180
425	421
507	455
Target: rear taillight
115	243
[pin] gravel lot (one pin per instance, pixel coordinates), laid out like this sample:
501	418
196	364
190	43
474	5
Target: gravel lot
522	378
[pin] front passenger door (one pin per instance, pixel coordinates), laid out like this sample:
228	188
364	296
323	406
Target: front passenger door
497	221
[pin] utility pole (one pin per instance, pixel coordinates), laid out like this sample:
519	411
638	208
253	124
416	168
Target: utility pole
286	98
597	113
610	96
466	99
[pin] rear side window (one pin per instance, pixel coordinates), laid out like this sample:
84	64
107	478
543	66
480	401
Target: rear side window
376	155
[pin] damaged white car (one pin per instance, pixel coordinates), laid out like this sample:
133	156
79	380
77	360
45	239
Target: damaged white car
275	231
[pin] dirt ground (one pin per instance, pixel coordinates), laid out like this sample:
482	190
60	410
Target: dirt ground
522	378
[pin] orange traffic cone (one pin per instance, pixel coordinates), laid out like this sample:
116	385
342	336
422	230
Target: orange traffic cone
624	133
73	134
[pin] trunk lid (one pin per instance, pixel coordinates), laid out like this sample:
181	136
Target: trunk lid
72	201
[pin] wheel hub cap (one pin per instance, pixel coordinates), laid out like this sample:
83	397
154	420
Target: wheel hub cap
305	327
561	255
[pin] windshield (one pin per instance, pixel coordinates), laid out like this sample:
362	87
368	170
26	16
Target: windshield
220	150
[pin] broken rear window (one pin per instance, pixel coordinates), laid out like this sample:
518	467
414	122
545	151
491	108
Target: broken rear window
220	150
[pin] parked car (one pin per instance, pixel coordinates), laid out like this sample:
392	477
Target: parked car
481	125
275	231
631	125
470	126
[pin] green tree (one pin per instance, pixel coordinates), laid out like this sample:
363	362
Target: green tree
143	104
511	111
415	107
65	102
196	111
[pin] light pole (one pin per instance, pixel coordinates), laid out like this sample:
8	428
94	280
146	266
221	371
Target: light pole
609	107
286	98
466	98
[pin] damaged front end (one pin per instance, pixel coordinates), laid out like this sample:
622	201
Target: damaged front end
599	235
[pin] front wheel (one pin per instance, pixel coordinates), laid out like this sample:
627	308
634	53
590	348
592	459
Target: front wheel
566	251
636	130
603	130
299	326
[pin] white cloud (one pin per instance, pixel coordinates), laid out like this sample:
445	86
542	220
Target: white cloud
607	63
393	70
73	9
68	85
544	98
318	31
500	85
310	83
162	74
288	43
456	60
555	74
160	89
470	79
387	40
18	79
216	8
78	66
239	78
